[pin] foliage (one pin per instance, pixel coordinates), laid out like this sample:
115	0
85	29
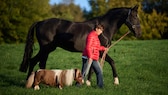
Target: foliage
161	6
153	25
155	19
16	16
68	11
141	65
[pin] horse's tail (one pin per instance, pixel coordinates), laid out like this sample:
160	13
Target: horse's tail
30	80
28	49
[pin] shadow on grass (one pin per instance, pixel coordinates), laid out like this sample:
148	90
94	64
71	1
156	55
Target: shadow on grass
8	81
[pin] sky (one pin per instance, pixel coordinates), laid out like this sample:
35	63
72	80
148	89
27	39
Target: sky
82	3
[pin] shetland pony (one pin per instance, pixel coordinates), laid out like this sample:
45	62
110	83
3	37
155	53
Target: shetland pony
55	77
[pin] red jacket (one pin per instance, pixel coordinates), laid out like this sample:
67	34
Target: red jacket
92	47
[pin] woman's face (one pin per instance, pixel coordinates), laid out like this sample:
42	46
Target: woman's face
99	31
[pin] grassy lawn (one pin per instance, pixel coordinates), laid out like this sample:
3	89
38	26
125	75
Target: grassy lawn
142	68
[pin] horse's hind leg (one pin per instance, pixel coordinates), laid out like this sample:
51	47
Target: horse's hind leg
40	57
43	60
33	62
45	50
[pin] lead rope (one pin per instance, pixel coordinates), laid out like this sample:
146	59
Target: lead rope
105	52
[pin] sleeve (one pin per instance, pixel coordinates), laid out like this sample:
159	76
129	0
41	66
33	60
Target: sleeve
101	48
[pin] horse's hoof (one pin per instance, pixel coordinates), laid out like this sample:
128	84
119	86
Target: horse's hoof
116	81
88	83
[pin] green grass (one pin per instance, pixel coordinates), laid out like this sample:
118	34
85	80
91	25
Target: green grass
142	68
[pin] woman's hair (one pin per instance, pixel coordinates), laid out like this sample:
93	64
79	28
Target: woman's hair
99	26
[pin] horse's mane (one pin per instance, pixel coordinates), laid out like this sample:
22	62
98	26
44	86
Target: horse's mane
114	9
110	12
117	10
93	19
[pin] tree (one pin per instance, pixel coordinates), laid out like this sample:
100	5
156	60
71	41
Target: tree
153	25
68	11
17	16
161	6
157	11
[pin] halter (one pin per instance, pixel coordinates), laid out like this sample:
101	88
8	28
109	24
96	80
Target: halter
128	20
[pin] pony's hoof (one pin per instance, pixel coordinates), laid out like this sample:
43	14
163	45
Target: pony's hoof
36	87
88	83
83	81
60	87
116	81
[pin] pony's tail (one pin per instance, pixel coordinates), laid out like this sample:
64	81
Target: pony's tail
28	49
30	80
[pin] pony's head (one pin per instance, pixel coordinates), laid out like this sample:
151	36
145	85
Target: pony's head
133	22
78	76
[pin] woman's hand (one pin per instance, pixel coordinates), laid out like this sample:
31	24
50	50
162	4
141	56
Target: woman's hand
106	49
90	61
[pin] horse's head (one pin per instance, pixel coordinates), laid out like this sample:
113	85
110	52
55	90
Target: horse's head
133	22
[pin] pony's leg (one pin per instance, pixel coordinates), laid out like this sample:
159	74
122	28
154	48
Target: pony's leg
111	62
60	86
37	80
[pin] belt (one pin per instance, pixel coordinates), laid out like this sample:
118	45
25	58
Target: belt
85	57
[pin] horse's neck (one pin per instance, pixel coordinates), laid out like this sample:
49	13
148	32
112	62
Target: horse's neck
110	30
112	25
92	22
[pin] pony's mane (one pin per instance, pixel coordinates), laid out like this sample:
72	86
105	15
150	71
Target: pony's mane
69	77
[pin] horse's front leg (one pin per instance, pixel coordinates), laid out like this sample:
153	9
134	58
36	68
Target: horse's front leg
112	64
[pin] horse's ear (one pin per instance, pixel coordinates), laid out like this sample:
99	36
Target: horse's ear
135	8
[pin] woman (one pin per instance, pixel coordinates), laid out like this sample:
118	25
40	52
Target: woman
90	54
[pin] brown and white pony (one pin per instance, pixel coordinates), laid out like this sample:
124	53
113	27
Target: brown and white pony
55	77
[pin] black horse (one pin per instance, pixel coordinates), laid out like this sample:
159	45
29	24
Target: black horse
71	36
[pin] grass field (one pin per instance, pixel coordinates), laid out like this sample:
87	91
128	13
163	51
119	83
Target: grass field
142	68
